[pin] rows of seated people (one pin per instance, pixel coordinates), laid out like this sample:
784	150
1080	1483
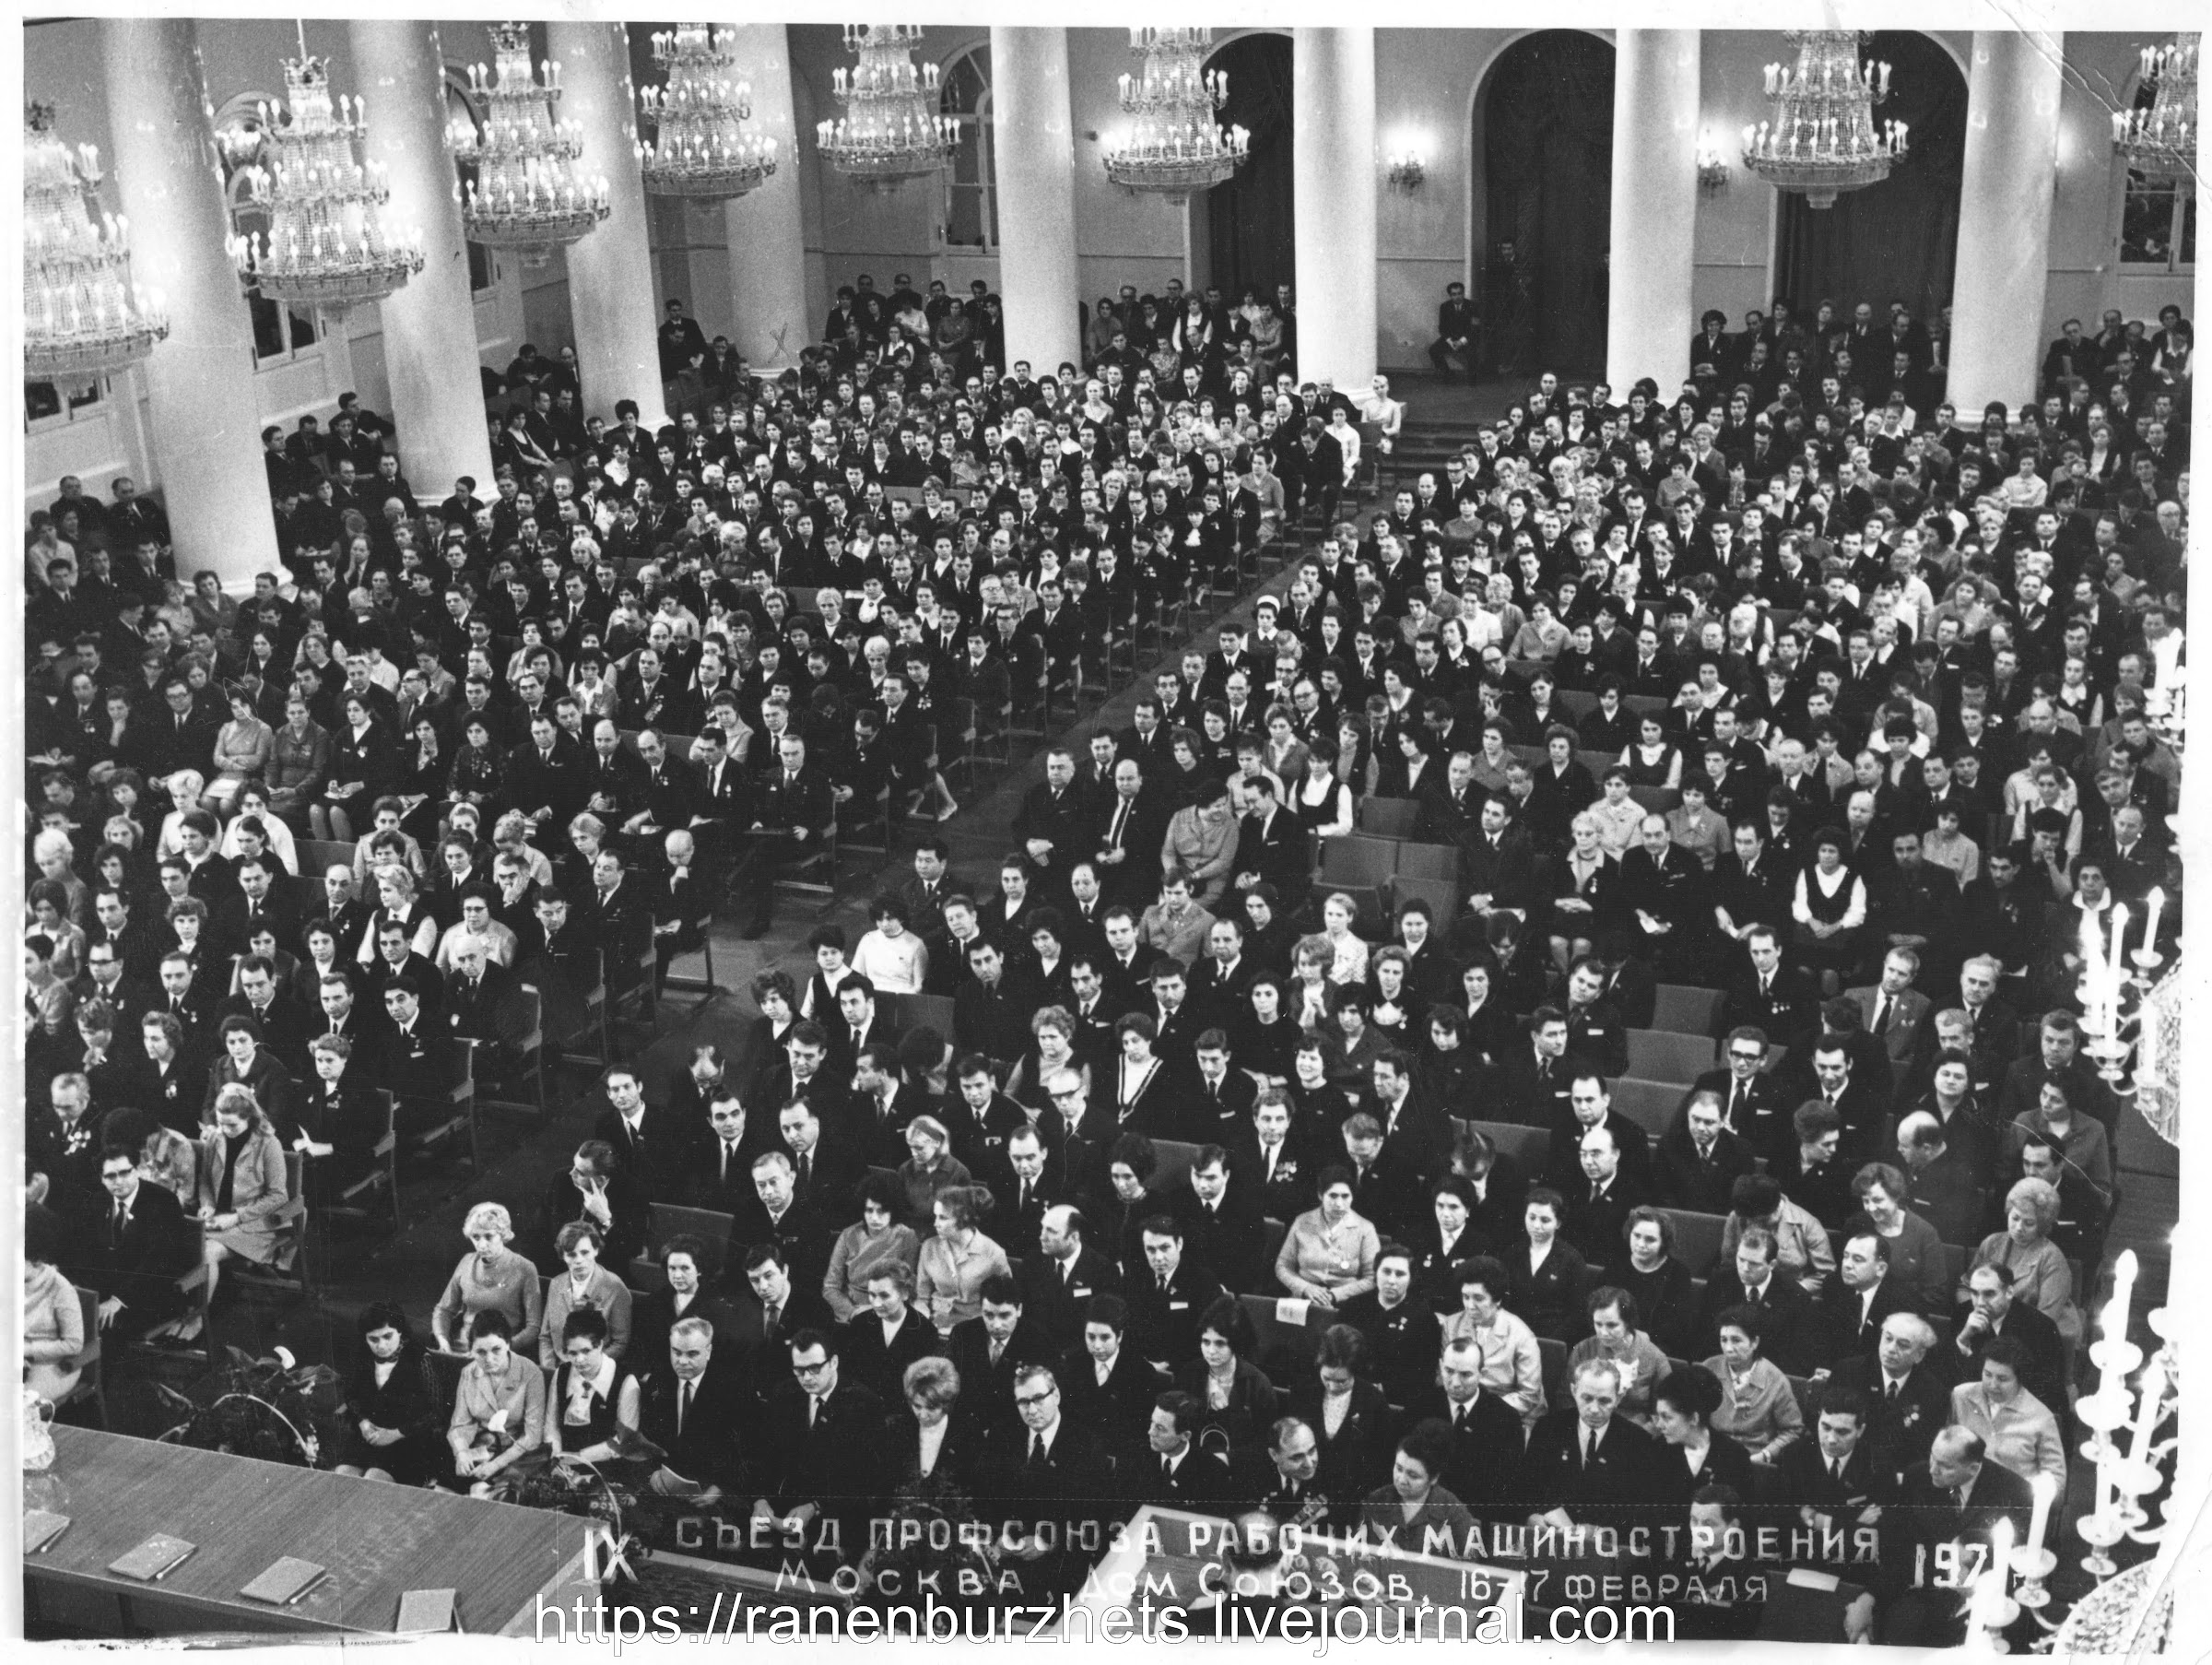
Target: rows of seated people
1890	797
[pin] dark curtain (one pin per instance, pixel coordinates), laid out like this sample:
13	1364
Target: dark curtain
1897	239
1251	218
1547	146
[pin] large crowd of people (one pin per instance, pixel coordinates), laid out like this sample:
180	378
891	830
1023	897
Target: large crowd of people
1818	693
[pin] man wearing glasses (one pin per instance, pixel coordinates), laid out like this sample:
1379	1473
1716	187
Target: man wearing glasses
1047	1471
1751	1106
821	1464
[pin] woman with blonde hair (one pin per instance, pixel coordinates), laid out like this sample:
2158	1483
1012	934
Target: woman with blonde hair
958	1262
491	1278
2024	1253
243	1187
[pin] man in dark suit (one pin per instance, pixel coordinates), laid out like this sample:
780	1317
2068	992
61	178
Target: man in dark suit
1782	1000
769	1306
1175	1474
1049	1468
1168	1298
1537	1091
1271	845
1052	823
693	1411
1484	1468
718	1169
1830	1481
1999	1312
792	810
1752	1104
1224	1230
1589	1107
1957	1498
988	1350
1756	1281
1598	1208
824	1168
1858	1299
1586	1466
776	1217
135	1253
1699	1160
1062	1280
646	1140
1906	1393
823	1457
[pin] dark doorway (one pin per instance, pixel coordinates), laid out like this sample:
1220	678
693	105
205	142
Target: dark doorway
1897	239
1545	126
1250	219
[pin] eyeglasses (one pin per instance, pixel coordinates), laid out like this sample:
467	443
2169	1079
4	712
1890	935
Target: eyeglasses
815	1369
1022	1401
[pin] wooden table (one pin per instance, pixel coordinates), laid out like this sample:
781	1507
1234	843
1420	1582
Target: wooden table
378	1539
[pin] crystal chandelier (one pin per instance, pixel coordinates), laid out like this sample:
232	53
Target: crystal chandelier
82	314
2161	143
701	148
1822	138
329	243
891	131
1174	145
531	194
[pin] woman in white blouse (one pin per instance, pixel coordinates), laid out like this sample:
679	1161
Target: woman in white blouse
1830	908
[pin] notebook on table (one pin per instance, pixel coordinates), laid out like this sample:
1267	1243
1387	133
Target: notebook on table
156	1558
41	1527
423	1612
285	1581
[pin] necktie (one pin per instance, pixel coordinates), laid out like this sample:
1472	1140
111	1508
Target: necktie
121	1224
1459	1415
683	1405
1835	1468
814	1410
768	1317
729	1150
1036	1449
1167	1469
1881	1015
805	1167
1893	1391
1120	820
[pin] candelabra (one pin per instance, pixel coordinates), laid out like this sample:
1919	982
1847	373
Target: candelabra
330	243
1174	146
1822	138
891	131
1405	171
701	148
2124	1476
2160	142
82	315
531	193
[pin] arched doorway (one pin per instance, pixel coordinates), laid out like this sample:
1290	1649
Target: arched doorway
1243	230
1544	125
1897	240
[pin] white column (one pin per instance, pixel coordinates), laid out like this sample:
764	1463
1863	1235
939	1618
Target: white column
2012	97
1034	149
611	297
429	327
1649	315
767	238
200	381
1333	178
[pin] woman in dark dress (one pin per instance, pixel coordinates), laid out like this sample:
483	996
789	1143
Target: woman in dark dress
393	1426
1350	1418
1691	1455
1551	1280
1234	1393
